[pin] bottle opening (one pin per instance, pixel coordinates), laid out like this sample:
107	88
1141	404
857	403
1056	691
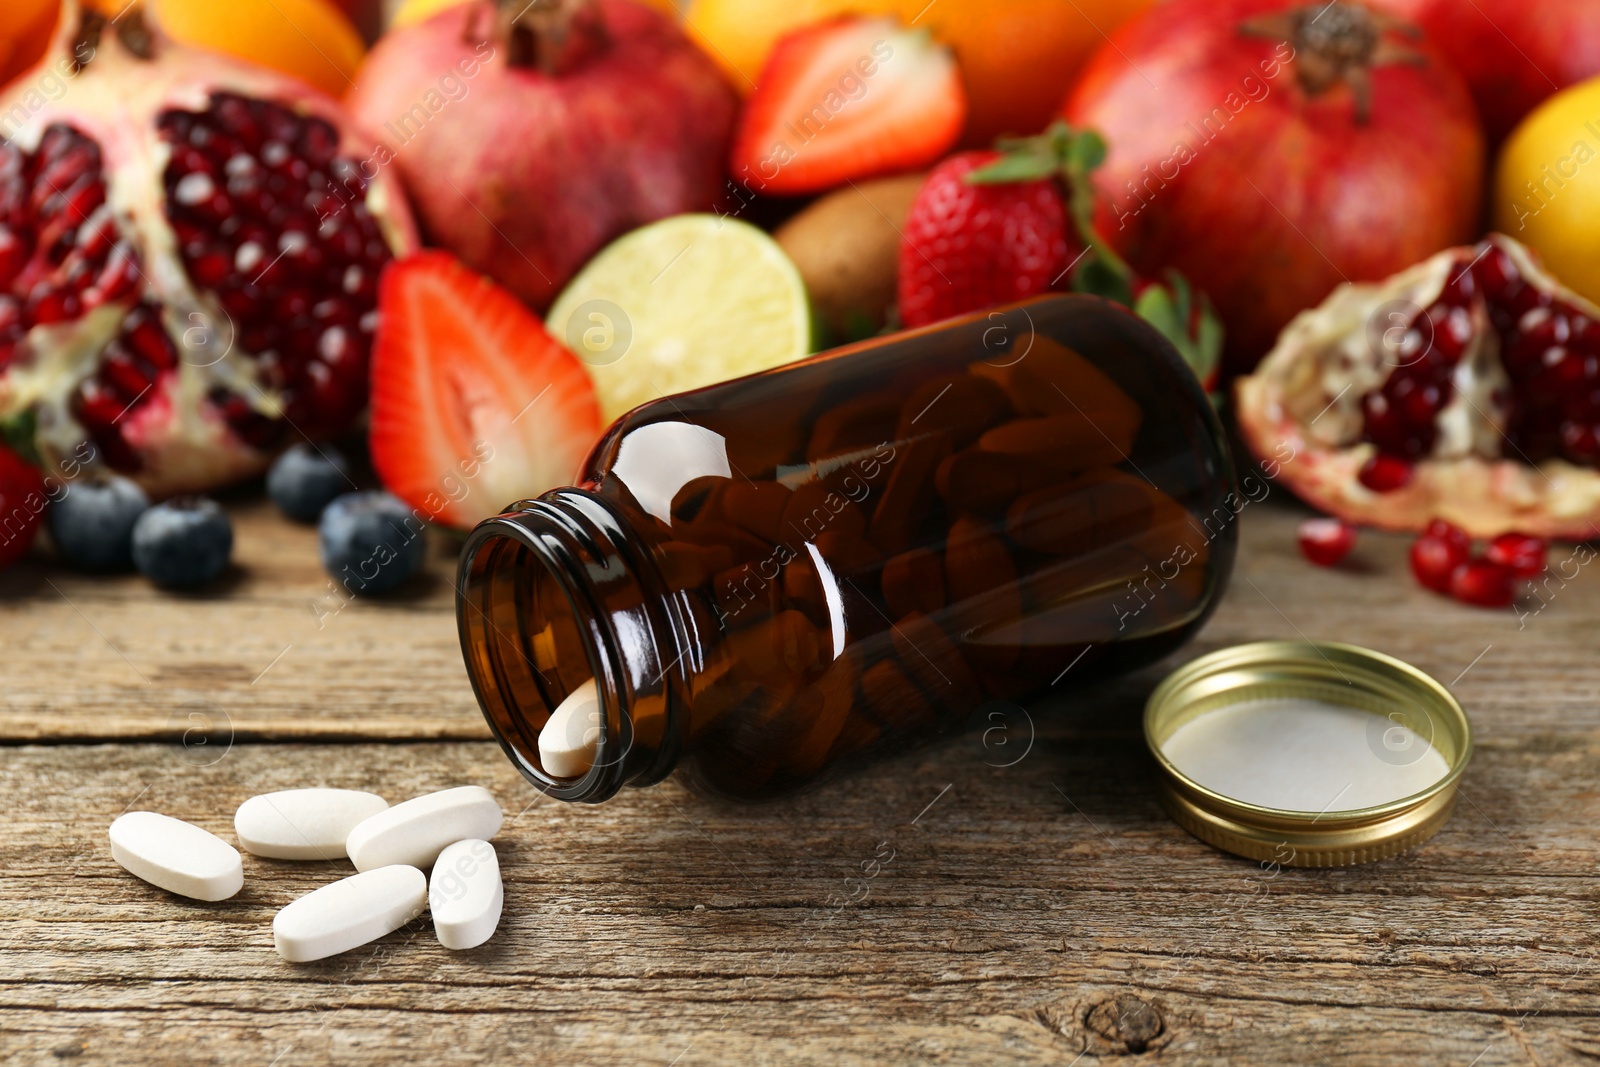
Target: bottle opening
527	653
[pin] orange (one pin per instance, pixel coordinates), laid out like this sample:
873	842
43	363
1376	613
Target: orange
1017	56
411	12
309	39
25	29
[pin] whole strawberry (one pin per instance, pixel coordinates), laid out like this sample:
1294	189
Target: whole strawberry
990	228
968	246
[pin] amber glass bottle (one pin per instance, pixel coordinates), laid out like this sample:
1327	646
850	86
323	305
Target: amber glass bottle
787	574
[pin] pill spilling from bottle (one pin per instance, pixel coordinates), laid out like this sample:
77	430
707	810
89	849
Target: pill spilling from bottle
569	740
390	847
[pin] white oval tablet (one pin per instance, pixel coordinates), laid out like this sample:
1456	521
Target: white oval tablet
178	856
465	894
303	824
416	831
348	913
569	739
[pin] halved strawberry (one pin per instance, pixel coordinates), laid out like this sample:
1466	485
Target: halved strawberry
474	405
847	99
22	502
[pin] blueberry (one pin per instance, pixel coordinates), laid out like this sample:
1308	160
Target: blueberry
184	542
92	522
371	542
305	479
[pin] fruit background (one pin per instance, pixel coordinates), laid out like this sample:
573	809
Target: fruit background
295	292
356	243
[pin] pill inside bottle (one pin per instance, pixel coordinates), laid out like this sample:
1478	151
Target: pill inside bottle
569	740
1304	755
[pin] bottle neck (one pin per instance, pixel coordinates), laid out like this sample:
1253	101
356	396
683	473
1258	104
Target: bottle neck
551	593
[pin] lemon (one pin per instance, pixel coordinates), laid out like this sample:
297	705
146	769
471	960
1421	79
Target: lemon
1547	185
681	303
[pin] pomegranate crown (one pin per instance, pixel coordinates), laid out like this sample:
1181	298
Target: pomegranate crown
1339	43
554	36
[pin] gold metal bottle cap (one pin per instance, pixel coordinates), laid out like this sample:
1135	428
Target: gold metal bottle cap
1411	715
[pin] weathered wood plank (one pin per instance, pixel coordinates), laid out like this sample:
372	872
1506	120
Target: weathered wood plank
1022	907
662	927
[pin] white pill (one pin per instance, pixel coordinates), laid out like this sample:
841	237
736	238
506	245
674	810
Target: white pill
348	913
465	894
568	741
416	831
178	856
303	824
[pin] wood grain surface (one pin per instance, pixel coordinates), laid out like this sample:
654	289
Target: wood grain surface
1025	902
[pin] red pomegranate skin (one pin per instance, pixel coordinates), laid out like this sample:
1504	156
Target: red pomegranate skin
1514	53
1223	166
524	175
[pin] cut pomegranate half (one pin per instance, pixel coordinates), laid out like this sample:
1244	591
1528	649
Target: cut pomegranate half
1466	388
189	255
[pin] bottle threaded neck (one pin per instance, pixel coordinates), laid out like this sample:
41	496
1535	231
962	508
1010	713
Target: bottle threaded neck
551	593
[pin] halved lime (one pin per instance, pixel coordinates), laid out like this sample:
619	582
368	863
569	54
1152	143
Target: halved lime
684	302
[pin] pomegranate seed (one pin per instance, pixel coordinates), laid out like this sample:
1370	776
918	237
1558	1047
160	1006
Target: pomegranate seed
1434	559
1460	286
1521	554
336	346
1497	276
13	254
83	158
142	332
1527	298
46	305
210	269
86	194
292	304
1483	583
1579	442
1326	541
234	113
1450	532
98	234
121	274
194	189
319	142
98	407
1385	474
119	370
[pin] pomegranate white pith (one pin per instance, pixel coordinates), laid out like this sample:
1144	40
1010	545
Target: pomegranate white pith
189	251
1458	389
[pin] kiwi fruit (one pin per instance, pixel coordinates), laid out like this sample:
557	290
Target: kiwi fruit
847	246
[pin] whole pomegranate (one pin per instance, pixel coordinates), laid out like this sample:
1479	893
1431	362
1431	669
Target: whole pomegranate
1465	389
189	256
531	134
1271	152
1514	53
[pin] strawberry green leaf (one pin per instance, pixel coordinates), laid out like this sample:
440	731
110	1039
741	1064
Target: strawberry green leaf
18	432
1098	278
1024	166
1170	309
1085	152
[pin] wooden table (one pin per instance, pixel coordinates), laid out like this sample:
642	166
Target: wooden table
1045	912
